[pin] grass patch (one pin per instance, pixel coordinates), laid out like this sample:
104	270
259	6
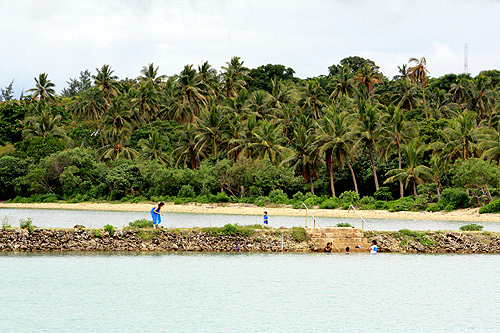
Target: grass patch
27	224
415	236
299	234
471	227
97	233
109	228
343	225
142	223
230	230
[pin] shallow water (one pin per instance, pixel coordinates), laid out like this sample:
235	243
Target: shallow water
52	218
313	292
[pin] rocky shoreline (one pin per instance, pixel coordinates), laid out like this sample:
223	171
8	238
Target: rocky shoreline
275	240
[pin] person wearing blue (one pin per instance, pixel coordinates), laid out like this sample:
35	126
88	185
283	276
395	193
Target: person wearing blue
266	220
374	248
156	215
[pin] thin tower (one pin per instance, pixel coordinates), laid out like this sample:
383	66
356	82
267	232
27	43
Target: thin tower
466	59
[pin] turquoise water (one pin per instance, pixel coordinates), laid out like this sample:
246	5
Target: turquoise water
65	218
283	292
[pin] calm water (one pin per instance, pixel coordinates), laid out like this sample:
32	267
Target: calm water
95	219
312	292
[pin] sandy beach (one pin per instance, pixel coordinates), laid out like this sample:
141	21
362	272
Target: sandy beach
470	214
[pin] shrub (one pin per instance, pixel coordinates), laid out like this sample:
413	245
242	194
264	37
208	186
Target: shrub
6	224
455	197
299	234
142	223
109	228
367	200
97	233
186	191
492	207
383	193
299	196
471	227
278	196
349	198
330	203
230	230
414	236
343	225
435	208
27	224
220	197
402	204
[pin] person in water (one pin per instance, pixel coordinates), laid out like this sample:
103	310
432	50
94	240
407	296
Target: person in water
156	215
266	220
328	247
347	250
374	248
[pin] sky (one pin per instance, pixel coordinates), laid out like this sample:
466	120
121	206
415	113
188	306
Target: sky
64	37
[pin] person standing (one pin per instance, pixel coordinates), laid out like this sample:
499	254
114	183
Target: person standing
374	248
266	220
156	215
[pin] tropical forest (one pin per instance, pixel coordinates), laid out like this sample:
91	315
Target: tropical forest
257	136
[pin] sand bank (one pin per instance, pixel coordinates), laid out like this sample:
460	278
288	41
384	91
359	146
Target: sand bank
470	214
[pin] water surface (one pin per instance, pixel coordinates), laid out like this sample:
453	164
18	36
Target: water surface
243	292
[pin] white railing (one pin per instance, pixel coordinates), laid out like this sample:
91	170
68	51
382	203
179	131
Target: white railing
363	222
316	222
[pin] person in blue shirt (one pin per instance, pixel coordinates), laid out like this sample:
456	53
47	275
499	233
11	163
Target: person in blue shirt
156	215
374	248
266	220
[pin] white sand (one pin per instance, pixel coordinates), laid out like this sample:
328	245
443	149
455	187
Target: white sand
470	214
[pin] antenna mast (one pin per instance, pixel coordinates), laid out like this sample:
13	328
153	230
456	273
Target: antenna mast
466	59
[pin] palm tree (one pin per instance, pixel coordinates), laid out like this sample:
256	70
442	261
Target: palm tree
335	137
191	89
234	77
367	78
154	149
106	82
418	76
414	172
406	95
370	132
270	142
460	91
44	89
211	129
461	138
481	97
146	101
186	147
305	154
490	143
399	131
259	103
89	102
342	82
210	82
311	98
44	124
150	73
242	144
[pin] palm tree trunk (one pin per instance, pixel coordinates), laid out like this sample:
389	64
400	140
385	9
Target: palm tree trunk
439	190
372	162
425	104
401	189
312	186
329	164
353	176
414	188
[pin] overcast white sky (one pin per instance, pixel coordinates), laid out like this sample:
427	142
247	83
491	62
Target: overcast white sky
64	37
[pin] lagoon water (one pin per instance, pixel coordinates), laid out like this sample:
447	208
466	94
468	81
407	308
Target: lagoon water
65	218
240	292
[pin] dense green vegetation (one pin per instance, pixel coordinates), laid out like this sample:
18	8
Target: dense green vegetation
259	136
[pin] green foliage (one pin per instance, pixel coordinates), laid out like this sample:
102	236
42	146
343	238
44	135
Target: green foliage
12	115
39	147
330	203
454	198
109	228
11	169
414	236
230	230
367	200
436	207
6	222
476	175
278	196
343	225
492	207
349	198
97	233
299	234
186	191
27	224
402	204
383	193
142	223
471	227
124	179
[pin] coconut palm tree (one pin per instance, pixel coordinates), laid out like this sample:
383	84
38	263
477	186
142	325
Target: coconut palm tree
481	97
414	173
191	90
342	82
418	76
406	95
370	133
259	103
106	82
311	98
44	124
367	78
154	148
399	131
234	77
335	137
269	142
44	89
150	73
186	147
490	143
211	129
146	101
